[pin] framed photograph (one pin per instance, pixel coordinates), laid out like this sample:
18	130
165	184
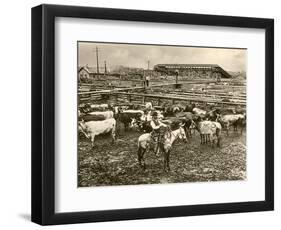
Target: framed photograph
142	114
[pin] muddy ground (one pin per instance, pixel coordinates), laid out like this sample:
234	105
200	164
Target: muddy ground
116	164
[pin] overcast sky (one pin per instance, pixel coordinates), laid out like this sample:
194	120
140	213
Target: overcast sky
138	55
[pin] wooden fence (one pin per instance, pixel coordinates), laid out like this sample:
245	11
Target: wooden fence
142	98
159	94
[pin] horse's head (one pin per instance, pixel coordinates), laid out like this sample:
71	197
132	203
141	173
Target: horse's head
193	125
182	134
219	119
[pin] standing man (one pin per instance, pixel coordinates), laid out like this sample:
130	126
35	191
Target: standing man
147	79
143	80
177	76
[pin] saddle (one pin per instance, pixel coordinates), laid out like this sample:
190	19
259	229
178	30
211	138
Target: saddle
159	136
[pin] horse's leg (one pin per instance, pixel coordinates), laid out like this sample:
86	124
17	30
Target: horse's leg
140	155
218	133
168	160
227	129
219	141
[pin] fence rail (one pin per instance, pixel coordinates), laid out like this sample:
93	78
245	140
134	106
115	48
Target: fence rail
155	95
121	97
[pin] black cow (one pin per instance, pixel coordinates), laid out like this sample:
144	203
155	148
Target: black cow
189	108
172	110
241	122
126	118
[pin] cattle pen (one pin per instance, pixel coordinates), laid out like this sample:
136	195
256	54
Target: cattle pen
170	93
117	164
155	114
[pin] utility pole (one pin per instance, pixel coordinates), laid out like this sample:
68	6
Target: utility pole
105	70
97	53
148	64
97	58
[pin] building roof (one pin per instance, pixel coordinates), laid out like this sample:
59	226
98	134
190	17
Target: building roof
187	65
176	66
91	70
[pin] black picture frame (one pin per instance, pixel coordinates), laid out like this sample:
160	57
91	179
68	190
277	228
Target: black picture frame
43	114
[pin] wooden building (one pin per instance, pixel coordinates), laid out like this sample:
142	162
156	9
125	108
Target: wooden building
192	71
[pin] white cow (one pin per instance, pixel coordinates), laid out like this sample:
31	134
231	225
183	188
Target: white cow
105	114
133	111
99	106
199	111
209	130
94	128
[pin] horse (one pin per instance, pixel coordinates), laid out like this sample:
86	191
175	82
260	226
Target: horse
145	140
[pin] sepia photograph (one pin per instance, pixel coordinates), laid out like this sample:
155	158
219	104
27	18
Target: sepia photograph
158	114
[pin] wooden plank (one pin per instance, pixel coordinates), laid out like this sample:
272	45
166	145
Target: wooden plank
126	89
183	98
209	95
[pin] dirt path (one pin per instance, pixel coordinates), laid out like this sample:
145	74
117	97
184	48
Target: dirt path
117	164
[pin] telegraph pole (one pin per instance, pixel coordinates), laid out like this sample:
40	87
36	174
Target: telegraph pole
96	50
148	64
97	53
105	70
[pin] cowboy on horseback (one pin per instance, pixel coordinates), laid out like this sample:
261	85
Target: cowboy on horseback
157	132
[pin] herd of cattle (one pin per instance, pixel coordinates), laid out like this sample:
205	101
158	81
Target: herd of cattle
96	119
181	120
